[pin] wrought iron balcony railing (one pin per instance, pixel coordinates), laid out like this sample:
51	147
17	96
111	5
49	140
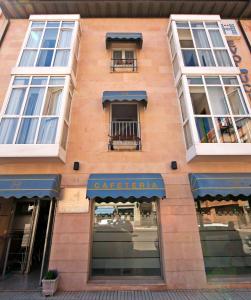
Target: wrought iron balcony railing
121	64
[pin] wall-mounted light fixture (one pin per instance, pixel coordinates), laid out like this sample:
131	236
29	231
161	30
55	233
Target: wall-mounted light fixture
174	165
76	165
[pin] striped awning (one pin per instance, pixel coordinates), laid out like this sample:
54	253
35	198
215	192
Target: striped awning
30	186
220	186
124	37
127	96
125	186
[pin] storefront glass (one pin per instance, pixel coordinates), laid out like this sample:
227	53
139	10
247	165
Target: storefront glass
225	233
125	240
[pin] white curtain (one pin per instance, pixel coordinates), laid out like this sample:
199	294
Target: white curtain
47	131
217	100
65	39
223	58
216	38
206	58
28	58
34	38
27	131
15	101
200	37
7	130
62	57
34	101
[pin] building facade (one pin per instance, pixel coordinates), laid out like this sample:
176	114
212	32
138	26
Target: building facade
125	146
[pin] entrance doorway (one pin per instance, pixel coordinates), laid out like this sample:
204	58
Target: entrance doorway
126	240
27	243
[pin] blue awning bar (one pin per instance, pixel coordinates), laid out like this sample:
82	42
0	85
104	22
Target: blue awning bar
120	96
125	186
220	186
124	37
30	186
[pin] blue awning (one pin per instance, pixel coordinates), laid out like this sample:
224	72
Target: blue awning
114	186
30	186
119	96
220	186
124	37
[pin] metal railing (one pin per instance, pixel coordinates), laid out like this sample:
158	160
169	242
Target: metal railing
127	63
125	131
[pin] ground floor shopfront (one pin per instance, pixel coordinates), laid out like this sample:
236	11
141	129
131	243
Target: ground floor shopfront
133	231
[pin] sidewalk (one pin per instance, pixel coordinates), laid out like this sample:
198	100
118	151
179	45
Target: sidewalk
135	295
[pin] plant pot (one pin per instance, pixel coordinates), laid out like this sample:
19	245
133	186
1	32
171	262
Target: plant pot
49	286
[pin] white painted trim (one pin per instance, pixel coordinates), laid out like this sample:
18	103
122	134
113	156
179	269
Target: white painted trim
54	17
41	71
195	17
210	70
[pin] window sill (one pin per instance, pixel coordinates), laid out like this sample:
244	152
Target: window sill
32	151
224	151
41	71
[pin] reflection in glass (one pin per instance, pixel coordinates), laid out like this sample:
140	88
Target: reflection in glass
200	37
125	240
216	38
244	129
206	130
27	131
49	39
217	100
190	59
199	101
65	39
61	58
28	58
34	38
15	102
236	100
223	58
226	130
185	38
47	131
34	101
45	58
225	233
53	101
183	107
206	58
7	130
188	136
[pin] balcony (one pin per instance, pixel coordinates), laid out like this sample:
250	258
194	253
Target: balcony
124	135
123	65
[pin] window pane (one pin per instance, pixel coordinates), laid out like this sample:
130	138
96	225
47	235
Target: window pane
28	58
230	80
176	66
68	24
15	101
188	137
49	39
190	59
37	24
64	136
194	80
53	24
206	130
7	130
172	47
200	37
47	131
39	80
199	101
57	81
236	100
226	130
34	101
217	100
212	25
224	228
182	24
212	80
68	108
223	58
65	39
183	107
206	58
216	38
34	38
21	80
27	131
62	57
117	54
44	58
53	101
197	24
185	38
244	129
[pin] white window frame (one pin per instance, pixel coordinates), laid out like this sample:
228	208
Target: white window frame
38	150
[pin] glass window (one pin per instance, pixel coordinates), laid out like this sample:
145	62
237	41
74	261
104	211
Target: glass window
199	101
45	58
188	136
197	24
194	80
65	39
47	131
200	38
39	80
50	37
226	130
64	136
182	24
190	58
53	101
7	130
243	125
21	80
62	58
34	102
217	100
236	100
57	81
224	228
27	131
206	130
230	80
185	38
206	58
34	38
216	38
183	107
121	246
28	58
213	80
223	58
212	25
15	102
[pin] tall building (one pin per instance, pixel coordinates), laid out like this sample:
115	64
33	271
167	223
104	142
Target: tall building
125	143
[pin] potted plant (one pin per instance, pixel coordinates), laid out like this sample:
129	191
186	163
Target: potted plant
50	283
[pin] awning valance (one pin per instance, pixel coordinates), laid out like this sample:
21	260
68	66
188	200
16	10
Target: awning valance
127	96
125	186
124	37
220	186
30	186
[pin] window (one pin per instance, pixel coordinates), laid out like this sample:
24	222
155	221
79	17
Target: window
49	44
123	60
33	109
202	44
219	108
